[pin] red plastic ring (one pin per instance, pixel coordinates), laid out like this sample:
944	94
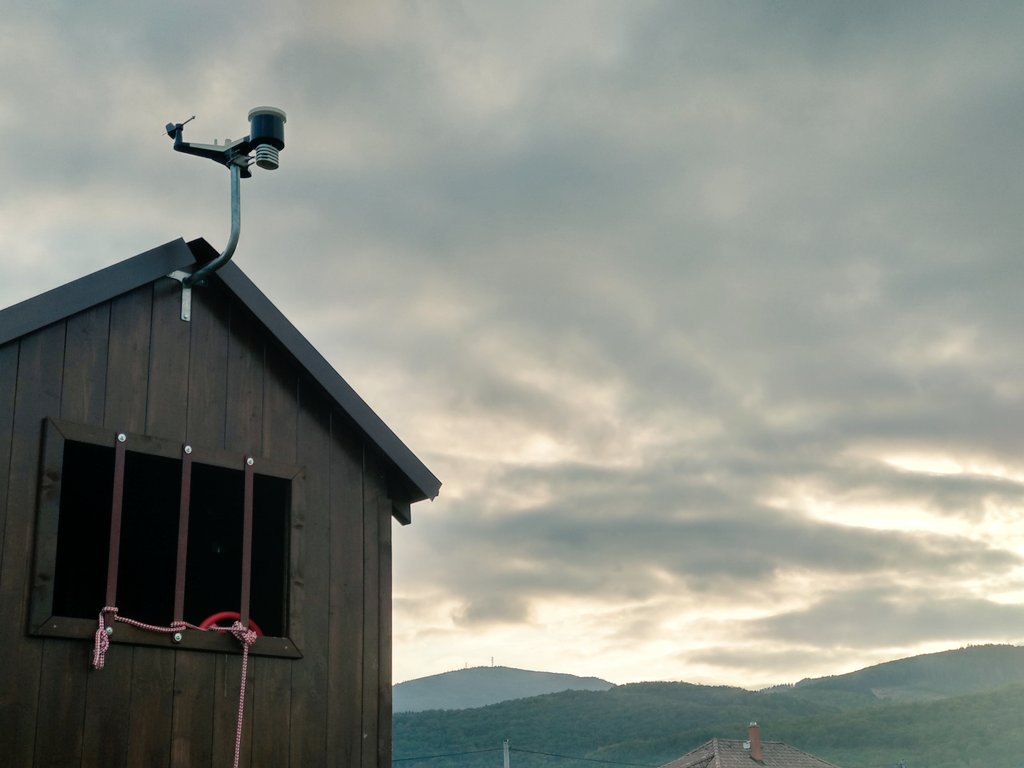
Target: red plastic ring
212	619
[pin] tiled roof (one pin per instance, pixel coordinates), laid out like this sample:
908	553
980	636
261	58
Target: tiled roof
732	753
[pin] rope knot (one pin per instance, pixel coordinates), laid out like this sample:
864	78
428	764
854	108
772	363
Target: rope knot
244	635
102	640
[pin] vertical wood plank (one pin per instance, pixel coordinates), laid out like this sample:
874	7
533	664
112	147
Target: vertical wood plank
37	395
59	735
152	686
227	683
85	365
271	700
128	360
192	709
152	697
166	407
310	553
208	368
243	433
384	733
373	492
108	697
270	716
280	407
8	388
65	663
243	426
195	674
347	740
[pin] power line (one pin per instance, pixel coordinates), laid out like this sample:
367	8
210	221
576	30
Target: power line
584	759
450	754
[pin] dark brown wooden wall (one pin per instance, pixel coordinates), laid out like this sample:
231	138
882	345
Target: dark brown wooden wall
132	365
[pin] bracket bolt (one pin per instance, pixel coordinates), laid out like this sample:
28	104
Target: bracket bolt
188	449
249	461
122	437
109	631
177	637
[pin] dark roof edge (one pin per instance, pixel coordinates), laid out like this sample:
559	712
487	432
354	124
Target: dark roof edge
66	300
238	283
85	292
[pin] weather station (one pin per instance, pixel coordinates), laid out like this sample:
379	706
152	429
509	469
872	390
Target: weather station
263	147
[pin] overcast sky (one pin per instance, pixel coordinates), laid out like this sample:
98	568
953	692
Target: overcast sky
707	314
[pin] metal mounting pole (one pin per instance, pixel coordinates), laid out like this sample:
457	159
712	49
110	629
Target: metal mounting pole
196	278
199	276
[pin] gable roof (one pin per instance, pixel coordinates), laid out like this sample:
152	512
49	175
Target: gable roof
733	753
59	303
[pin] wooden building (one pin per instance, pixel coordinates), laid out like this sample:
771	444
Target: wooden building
174	470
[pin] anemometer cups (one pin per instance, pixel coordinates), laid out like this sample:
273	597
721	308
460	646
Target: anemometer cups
266	135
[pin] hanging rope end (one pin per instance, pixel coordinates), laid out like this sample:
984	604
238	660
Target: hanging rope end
101	642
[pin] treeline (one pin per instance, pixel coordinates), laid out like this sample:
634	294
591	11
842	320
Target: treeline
841	719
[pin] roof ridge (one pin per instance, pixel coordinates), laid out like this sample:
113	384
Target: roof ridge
23	318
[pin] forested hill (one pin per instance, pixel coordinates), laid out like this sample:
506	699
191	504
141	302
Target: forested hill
931	676
955	709
480	686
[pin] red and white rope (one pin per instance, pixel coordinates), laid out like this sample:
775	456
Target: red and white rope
244	635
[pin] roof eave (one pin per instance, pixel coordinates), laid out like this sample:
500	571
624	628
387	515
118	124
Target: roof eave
78	295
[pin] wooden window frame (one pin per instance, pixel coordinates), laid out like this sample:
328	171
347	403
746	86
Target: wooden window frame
42	621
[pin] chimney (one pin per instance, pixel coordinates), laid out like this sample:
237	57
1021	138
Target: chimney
754	738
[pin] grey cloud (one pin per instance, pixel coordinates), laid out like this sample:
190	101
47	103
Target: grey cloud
888	617
619	541
780	241
761	658
490	609
965	495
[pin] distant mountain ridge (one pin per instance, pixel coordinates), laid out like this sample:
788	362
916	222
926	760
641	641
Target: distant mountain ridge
481	686
954	709
932	676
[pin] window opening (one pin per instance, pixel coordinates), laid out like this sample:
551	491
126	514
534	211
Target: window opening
174	513
268	603
149	538
83	531
213	573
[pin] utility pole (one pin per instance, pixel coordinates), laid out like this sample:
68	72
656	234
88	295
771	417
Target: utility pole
505	745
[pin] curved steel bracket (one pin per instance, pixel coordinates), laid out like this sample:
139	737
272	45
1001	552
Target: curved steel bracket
197	277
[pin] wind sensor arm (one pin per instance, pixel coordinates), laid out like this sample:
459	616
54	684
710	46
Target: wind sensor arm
266	137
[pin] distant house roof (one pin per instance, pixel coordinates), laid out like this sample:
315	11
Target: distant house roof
734	753
81	294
